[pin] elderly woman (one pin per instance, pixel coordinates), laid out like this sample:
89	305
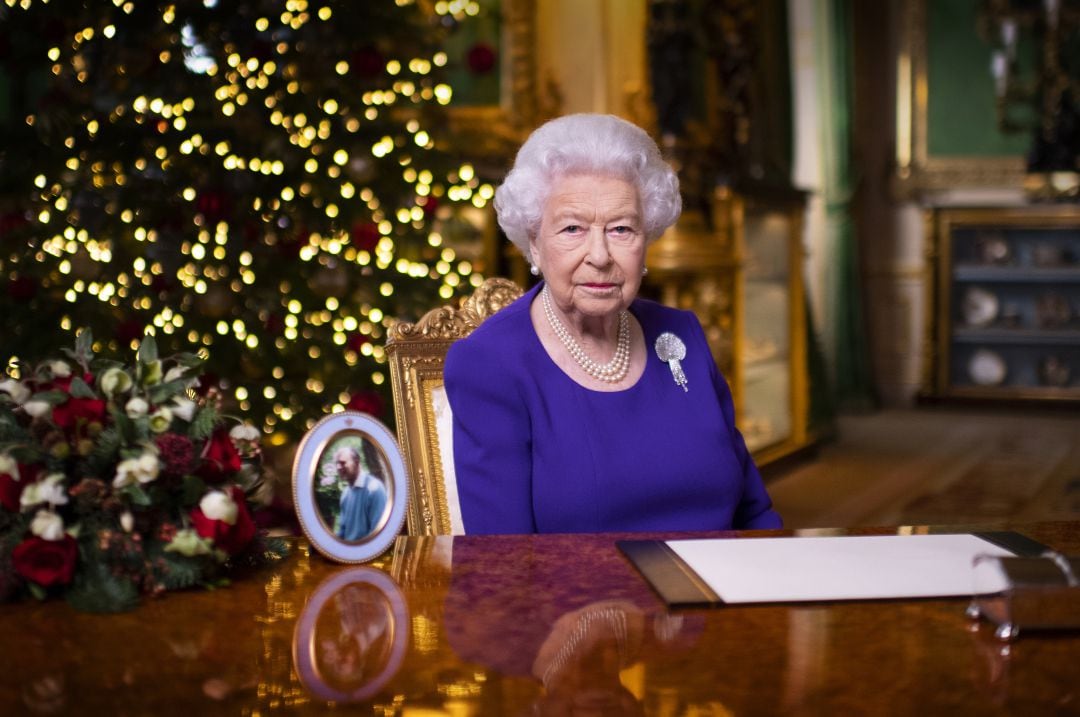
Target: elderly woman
581	407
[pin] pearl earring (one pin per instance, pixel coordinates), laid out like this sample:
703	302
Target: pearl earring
534	270
644	271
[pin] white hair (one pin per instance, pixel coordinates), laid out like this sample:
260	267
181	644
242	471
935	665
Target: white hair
586	144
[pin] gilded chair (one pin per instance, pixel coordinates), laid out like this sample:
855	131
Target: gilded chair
417	352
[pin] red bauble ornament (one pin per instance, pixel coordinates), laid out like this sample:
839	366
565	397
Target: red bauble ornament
22	288
207	381
253	233
367	62
366	402
10	222
365	236
357	340
429	205
481	58
129	330
214	205
262	50
289	248
274	324
160	283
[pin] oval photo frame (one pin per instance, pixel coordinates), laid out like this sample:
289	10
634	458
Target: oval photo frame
350	488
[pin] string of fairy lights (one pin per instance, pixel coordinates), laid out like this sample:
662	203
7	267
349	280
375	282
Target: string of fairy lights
217	262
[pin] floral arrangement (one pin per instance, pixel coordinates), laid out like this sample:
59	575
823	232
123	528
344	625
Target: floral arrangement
118	480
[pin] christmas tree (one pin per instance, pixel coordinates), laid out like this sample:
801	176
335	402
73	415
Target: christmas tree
262	181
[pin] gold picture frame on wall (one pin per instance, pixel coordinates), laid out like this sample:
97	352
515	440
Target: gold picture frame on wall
494	128
920	166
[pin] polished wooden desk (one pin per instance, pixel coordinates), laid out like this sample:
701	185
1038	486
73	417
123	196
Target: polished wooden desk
521	625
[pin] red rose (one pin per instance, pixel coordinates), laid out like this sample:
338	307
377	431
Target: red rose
78	411
220	459
230	538
11	489
45	562
176	454
63	383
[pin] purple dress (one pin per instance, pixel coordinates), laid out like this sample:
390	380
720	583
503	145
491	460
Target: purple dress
535	451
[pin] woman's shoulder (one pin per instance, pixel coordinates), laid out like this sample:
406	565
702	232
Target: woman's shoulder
500	335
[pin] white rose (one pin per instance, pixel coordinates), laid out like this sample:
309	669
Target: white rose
244	432
9	466
217	505
47	525
175	373
37	409
136	407
59	369
143	469
50	490
183	408
18	392
160	420
114	381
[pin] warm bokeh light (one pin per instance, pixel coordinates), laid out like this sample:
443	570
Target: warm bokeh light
274	200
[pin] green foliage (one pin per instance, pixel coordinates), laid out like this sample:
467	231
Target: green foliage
192	489
10	430
84	346
136	495
53	398
148	351
97	589
106	449
162	392
80	389
203	423
181	572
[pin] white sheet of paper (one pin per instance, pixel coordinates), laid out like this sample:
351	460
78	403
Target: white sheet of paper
751	570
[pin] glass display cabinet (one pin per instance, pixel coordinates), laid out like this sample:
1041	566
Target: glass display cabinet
1006	298
739	271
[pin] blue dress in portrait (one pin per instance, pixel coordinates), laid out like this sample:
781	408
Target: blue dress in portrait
534	451
361	508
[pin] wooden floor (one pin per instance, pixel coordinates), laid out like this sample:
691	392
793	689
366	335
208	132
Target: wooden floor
936	466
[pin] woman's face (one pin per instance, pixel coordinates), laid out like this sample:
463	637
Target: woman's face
590	246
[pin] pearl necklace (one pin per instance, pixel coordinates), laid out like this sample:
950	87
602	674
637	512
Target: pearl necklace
613	371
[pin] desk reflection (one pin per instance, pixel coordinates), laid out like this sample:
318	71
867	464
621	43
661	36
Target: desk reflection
580	661
534	618
352	635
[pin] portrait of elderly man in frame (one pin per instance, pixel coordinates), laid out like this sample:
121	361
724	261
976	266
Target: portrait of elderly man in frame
352	487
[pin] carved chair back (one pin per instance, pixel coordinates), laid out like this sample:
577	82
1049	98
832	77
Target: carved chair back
417	352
